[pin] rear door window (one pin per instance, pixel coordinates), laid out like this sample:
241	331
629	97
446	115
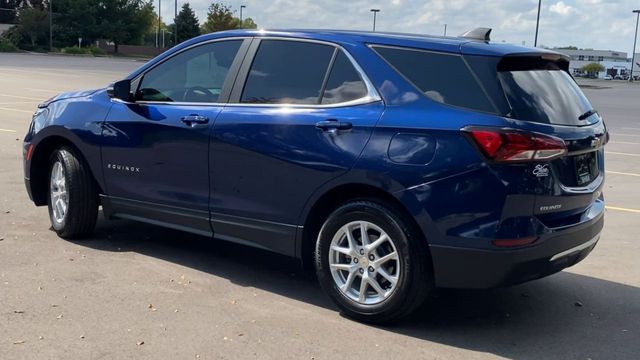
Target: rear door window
344	82
442	77
287	72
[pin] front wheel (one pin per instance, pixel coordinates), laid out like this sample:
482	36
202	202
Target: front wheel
371	263
73	195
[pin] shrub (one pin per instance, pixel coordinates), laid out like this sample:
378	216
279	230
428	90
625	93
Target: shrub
7	46
96	51
73	50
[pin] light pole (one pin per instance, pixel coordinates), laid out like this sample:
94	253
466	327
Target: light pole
535	42
159	22
375	12
175	25
241	7
635	38
50	26
445	30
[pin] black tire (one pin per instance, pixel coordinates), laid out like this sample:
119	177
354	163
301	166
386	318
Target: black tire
414	281
81	214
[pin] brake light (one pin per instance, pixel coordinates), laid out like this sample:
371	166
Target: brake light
504	145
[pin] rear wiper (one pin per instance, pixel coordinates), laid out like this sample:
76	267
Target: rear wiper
587	114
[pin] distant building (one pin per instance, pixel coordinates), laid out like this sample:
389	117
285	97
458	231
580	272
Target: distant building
614	62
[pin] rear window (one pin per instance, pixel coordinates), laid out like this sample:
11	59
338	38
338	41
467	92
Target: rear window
440	76
531	88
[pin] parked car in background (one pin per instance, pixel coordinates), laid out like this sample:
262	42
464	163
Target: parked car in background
390	163
608	77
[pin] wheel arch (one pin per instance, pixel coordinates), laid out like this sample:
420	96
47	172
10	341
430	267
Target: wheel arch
341	194
39	165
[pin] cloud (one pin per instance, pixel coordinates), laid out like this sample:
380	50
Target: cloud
600	24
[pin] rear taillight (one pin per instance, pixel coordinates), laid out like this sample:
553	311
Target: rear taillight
506	145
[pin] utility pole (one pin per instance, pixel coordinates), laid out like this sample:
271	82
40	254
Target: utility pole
445	29
241	7
375	12
175	25
635	38
535	42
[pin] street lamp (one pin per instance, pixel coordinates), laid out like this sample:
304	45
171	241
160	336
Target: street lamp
535	42
175	25
241	7
635	38
374	11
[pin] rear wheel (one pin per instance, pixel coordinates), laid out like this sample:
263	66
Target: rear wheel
370	262
73	196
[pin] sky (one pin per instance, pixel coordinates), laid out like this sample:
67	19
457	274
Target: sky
597	24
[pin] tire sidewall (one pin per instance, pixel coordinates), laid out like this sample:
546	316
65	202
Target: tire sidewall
388	222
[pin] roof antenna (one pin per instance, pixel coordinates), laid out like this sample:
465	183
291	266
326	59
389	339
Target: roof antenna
483	34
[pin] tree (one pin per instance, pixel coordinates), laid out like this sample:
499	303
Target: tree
75	19
219	18
592	68
248	23
187	23
33	24
125	21
8	14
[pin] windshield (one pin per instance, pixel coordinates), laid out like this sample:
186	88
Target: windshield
547	96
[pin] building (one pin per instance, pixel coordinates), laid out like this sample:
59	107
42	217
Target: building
615	62
4	27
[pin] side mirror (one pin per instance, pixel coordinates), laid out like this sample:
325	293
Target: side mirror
120	90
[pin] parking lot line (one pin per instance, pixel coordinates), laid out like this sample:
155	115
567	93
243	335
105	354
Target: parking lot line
624	142
622	209
7	130
18	110
618	134
622	173
620	153
21	97
630	128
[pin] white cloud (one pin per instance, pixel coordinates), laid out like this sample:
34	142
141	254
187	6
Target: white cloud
584	23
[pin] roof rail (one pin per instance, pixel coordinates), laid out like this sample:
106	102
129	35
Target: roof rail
482	34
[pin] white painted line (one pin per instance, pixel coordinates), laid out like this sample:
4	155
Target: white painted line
622	173
7	130
21	97
19	102
624	142
618	134
630	128
18	110
619	153
44	90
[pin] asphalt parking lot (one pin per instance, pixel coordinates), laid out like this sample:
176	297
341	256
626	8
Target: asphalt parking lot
135	291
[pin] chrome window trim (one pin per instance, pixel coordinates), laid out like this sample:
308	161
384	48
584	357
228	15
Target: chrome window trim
371	97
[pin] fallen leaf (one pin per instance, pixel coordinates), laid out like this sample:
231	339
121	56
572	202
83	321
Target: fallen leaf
81	336
59	316
140	343
577	303
18	311
19	342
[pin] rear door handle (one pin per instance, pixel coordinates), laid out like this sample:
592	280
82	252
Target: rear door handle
194	119
332	125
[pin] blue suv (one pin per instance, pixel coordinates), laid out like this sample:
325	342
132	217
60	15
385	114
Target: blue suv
393	163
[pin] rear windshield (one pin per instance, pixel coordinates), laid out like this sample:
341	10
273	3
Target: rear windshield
535	90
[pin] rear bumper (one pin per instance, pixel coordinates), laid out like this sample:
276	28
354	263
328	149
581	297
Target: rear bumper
480	269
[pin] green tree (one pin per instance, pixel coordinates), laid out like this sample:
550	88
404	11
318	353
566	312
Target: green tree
592	68
125	21
8	15
219	18
187	23
33	25
74	19
248	23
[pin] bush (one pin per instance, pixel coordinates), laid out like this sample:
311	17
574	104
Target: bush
96	51
73	50
7	46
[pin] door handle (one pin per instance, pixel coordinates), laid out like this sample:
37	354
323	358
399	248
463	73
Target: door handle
193	120
332	126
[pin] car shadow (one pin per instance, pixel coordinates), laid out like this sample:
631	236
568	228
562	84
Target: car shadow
565	316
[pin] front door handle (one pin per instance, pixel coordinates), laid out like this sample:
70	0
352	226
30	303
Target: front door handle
194	119
332	125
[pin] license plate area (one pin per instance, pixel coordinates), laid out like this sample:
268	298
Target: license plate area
586	168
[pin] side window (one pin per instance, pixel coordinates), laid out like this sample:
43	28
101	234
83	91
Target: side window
441	77
287	72
196	75
344	83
